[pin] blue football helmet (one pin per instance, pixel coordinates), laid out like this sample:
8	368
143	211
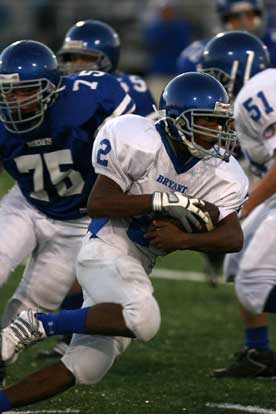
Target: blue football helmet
228	8
29	82
94	39
234	57
192	95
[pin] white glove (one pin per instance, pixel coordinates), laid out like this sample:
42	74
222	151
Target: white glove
185	209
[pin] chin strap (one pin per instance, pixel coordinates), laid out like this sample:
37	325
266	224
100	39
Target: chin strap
194	151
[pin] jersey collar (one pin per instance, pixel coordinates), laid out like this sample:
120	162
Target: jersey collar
179	164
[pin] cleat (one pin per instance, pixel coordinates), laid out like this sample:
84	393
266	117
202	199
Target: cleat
249	363
22	332
56	352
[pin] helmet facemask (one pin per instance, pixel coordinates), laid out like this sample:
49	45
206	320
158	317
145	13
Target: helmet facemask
99	61
224	138
232	81
23	103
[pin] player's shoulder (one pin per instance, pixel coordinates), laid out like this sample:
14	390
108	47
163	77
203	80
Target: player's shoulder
232	173
263	82
132	83
195	46
85	81
82	94
133	131
262	79
194	49
190	56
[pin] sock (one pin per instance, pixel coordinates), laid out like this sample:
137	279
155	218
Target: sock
73	301
5	403
270	304
257	338
64	322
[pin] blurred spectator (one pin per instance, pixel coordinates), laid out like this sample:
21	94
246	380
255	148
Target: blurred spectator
165	35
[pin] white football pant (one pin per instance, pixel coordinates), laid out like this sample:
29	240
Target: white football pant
108	275
51	245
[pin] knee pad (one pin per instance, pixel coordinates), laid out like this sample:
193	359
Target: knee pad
89	357
250	297
143	318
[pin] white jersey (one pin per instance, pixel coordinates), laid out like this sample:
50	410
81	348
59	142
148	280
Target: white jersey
255	119
130	151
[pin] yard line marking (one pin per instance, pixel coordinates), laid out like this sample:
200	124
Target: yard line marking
178	275
65	411
246	408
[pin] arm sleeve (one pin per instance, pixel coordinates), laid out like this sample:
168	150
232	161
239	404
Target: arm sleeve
114	100
233	190
120	157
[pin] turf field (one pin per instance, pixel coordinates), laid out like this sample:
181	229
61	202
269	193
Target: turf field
169	375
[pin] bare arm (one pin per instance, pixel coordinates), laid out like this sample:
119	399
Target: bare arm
108	200
264	189
227	237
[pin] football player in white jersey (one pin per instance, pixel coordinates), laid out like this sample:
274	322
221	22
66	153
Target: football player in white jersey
143	169
91	45
235	57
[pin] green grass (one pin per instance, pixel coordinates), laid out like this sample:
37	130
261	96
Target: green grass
169	375
200	327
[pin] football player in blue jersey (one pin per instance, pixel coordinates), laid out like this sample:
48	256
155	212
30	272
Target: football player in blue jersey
136	159
47	127
94	45
246	15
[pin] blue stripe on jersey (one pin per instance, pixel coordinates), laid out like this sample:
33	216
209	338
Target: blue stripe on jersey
137	229
179	164
96	225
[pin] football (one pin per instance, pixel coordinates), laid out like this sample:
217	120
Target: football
210	208
213	213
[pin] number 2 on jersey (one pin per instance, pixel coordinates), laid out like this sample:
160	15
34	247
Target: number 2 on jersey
106	148
252	105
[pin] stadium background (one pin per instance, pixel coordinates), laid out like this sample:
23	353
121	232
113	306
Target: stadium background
201	326
48	20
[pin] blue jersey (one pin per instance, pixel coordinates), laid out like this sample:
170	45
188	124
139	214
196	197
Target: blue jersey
191	55
52	163
137	88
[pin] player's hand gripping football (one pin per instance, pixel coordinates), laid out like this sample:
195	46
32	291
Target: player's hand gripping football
186	210
166	235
